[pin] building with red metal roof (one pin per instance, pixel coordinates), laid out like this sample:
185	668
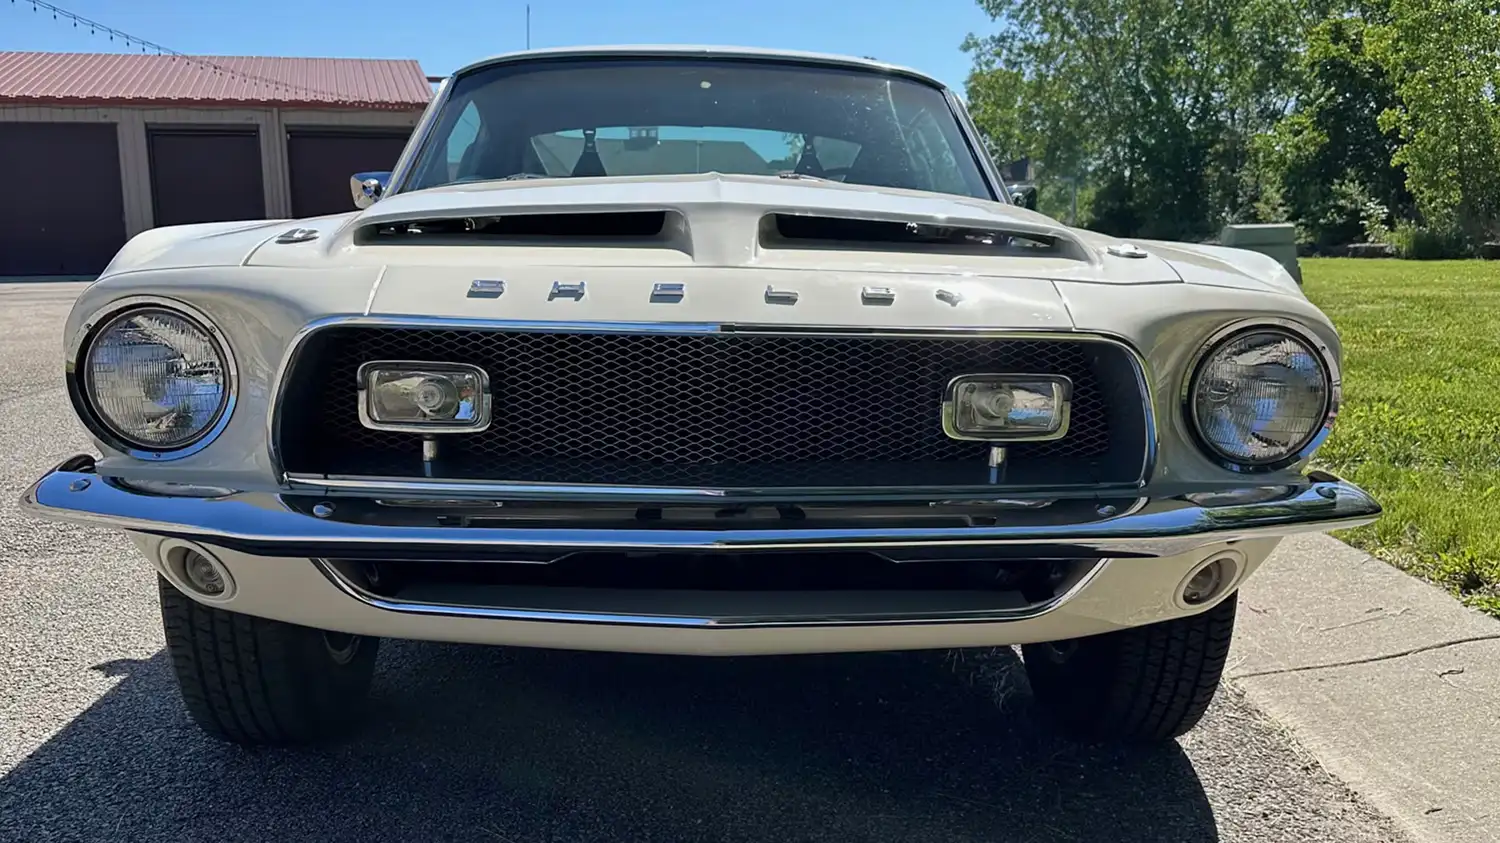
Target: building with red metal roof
101	146
212	81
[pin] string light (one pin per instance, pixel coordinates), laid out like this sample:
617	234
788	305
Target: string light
96	27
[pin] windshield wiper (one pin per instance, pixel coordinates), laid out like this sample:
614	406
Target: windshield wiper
789	174
511	177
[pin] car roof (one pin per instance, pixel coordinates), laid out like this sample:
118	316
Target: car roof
679	50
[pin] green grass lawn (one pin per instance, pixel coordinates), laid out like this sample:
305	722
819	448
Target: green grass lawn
1420	423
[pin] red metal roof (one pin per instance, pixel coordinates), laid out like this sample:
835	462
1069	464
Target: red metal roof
171	81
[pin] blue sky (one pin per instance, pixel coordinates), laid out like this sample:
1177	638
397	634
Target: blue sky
443	34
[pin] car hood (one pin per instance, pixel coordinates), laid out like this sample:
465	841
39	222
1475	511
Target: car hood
714	220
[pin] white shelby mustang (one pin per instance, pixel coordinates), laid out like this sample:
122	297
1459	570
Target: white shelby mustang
698	351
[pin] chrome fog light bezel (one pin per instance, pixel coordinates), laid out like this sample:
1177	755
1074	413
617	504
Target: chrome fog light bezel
1294	330
80	389
1062	396
482	404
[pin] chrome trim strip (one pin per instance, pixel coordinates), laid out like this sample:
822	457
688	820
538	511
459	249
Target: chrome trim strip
77	346
296	235
670	292
1144	383
375	486
484	288
448	610
413	151
972	137
1298	331
575	290
267	525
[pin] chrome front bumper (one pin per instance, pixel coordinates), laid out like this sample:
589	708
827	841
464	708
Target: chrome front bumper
277	525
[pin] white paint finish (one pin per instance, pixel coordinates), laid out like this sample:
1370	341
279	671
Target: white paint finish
1166	319
1169	324
258	311
719	295
1219	266
718	190
197	246
1164	305
723	215
1125	593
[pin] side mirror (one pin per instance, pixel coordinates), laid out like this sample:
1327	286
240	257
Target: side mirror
1023	195
368	187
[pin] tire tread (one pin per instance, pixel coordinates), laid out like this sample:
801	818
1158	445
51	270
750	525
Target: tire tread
1147	683
256	681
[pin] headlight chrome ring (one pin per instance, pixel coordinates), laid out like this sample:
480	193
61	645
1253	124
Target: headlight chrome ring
1240	337
185	378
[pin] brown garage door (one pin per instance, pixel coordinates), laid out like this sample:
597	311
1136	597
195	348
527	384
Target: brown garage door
321	162
205	175
62	212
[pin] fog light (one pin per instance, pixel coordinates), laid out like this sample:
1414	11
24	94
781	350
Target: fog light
203	574
424	397
1206	584
1007	408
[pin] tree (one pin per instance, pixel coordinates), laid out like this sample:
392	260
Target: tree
1152	101
1444	59
1329	162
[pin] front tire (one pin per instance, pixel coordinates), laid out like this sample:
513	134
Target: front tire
255	681
1144	684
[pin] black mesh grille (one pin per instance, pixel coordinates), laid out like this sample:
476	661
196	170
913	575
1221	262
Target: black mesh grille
735	408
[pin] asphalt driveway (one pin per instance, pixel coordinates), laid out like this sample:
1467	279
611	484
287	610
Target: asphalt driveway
471	743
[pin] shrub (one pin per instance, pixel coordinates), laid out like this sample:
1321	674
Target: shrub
1426	243
1374	216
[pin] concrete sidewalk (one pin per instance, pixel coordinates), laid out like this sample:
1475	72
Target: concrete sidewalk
1392	684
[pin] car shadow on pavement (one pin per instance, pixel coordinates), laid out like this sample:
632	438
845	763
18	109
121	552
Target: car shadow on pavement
524	746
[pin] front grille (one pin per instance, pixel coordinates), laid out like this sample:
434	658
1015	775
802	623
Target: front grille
719	409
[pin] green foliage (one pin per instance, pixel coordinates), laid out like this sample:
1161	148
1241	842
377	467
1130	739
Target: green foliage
1444	58
1424	243
1000	104
1419	427
1329	157
1373	218
1345	117
1343	215
1151	101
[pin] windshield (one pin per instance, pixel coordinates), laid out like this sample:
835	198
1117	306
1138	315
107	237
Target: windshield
632	117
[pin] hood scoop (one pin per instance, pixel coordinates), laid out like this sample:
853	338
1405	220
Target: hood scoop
606	228
805	231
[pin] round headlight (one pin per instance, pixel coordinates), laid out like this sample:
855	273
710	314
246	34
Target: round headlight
1260	397
156	378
